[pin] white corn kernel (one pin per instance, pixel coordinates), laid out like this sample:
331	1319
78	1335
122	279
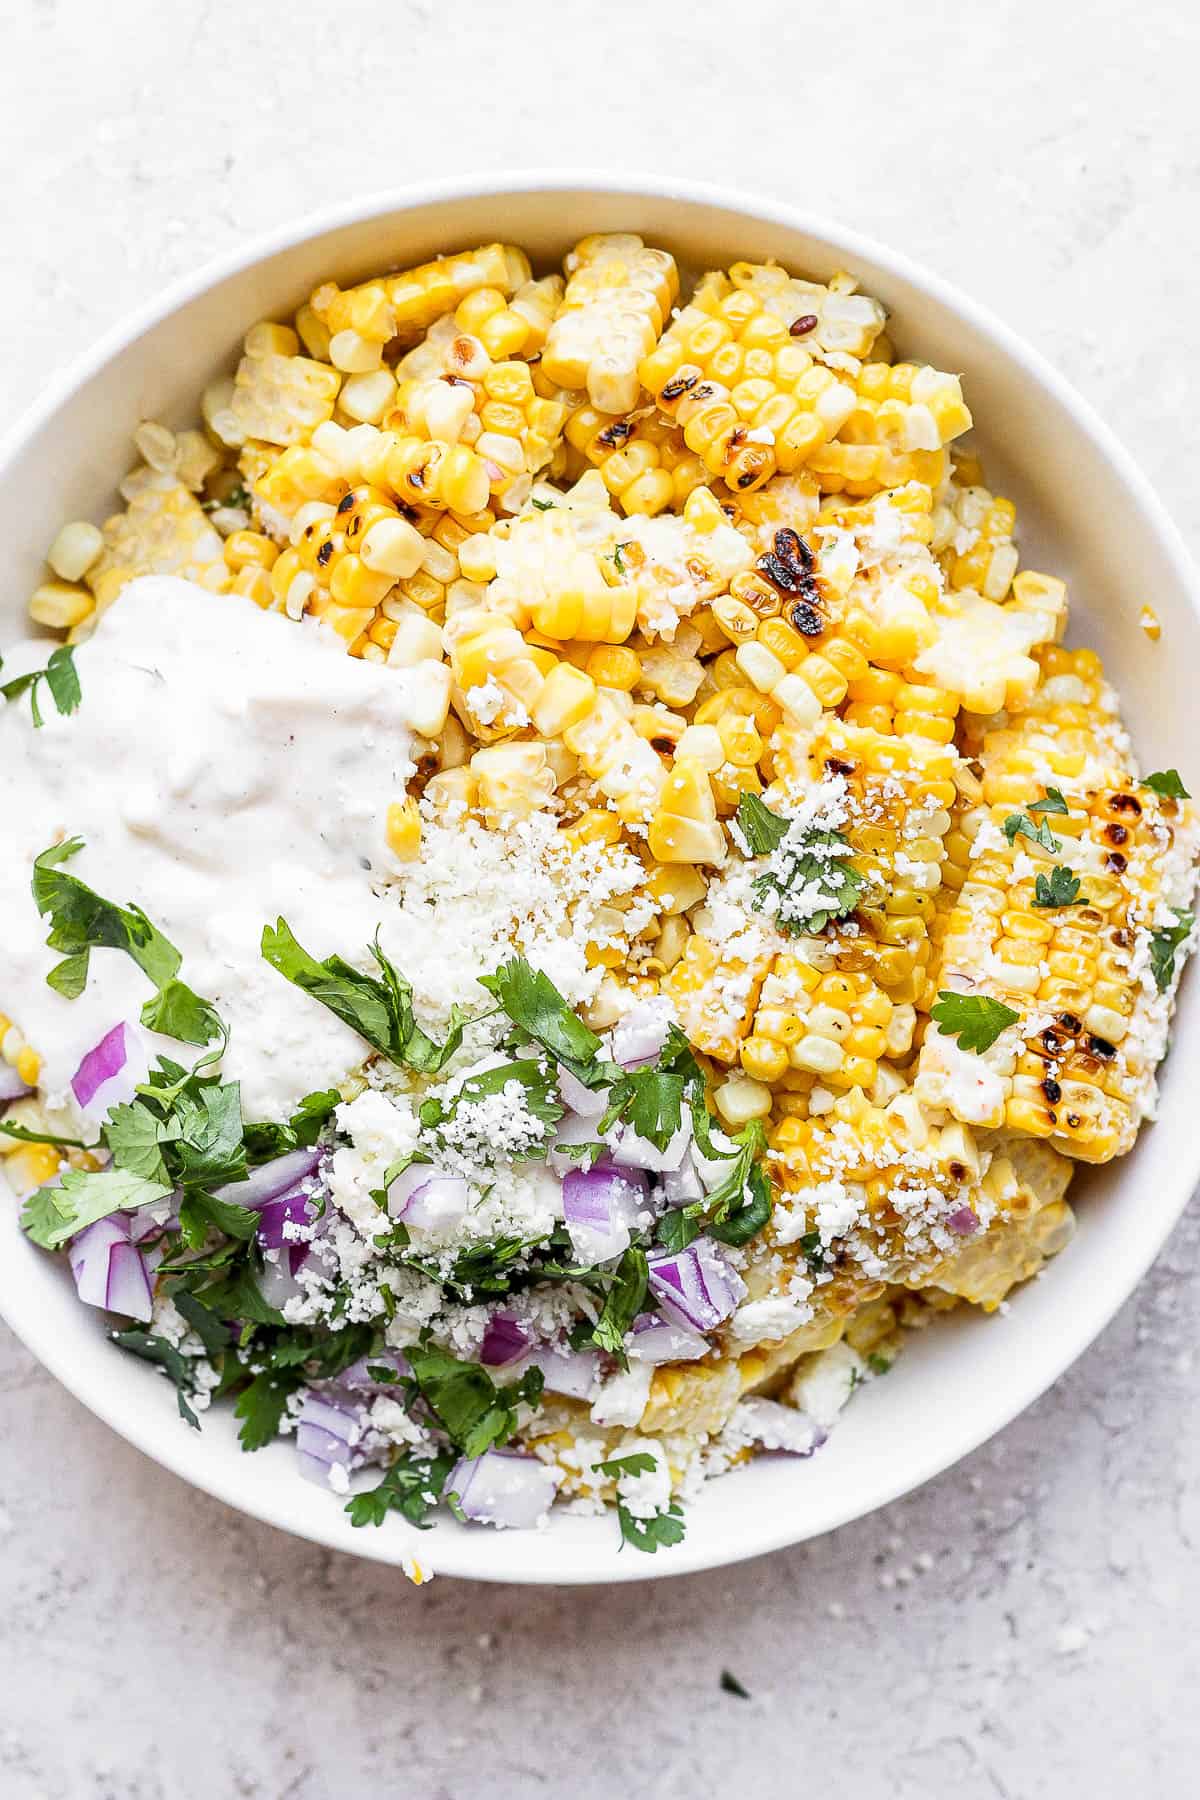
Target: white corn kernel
353	354
796	698
702	744
367	397
740	1099
760	666
430	701
393	547
157	447
817	1054
196	460
61	605
269	339
217	412
75	549
417	640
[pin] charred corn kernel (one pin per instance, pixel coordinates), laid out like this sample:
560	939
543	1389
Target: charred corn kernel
596	826
404	830
614	666
617	298
405	305
74	550
60	605
246	549
513	780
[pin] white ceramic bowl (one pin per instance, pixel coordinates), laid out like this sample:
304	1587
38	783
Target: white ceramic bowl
1085	513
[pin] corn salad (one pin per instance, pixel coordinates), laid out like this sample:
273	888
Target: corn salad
704	633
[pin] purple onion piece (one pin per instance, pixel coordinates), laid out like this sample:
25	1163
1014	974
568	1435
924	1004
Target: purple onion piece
778	1427
566	1371
436	1205
639	1035
658	1340
505	1341
109	1073
271	1179
584	1102
696	1287
89	1253
277	1284
359	1379
600	1207
129	1290
683	1185
294	1208
964	1222
634	1152
504	1489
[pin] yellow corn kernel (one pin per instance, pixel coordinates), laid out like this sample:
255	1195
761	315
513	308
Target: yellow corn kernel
30	1166
596	826
75	549
61	605
404	830
29	1065
764	1059
244	549
567	698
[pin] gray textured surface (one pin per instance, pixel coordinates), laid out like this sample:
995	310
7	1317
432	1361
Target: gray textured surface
1023	1626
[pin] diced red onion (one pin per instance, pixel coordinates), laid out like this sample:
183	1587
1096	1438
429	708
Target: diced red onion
638	1036
504	1489
658	1340
631	1151
326	1437
713	1170
964	1222
405	1183
436	1205
145	1223
358	1377
88	1255
567	1371
696	1287
293	1208
129	1290
271	1179
600	1206
778	1427
573	1128
11	1085
277	1284
683	1185
505	1341
584	1102
108	1075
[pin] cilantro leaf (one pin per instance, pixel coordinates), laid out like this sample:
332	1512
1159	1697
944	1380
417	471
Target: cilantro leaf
82	921
638	1462
378	1007
1167	784
474	1413
622	1303
650	1100
1019	824
301	1132
736	1210
27	1136
490	1268
215	1337
1062	889
761	829
411	1487
807	881
135	1134
209	1150
813	1251
262	1403
51	1215
976	1020
532	1002
731	1685
658	1532
154	1349
60	676
199	1212
1051	802
1165	944
540	1098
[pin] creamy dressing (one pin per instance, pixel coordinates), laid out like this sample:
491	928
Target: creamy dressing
225	766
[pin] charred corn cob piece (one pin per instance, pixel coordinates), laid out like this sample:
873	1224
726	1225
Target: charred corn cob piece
571	567
1033	1223
280	397
715	994
904	417
1078	933
645	463
692	1397
973	540
831	1025
619	293
404	305
982	651
785	503
685	827
162	531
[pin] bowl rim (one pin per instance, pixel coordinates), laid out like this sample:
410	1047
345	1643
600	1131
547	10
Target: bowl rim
479	1556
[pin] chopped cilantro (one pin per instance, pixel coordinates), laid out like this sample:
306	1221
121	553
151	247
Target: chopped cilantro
532	1001
154	1349
878	1365
735	1210
301	1132
1060	889
814	1252
1019	824
262	1403
379	1007
474	1413
1167	784
542	505
51	1215
638	1462
622	1303
60	676
808	881
1165	945
731	1685
411	1487
976	1020
27	1136
1051	802
658	1532
82	921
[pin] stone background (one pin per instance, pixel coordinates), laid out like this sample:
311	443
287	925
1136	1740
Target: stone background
1022	1627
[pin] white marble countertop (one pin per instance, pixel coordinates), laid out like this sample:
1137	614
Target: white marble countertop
1024	1626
